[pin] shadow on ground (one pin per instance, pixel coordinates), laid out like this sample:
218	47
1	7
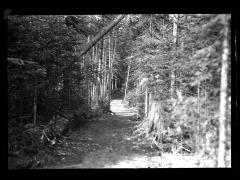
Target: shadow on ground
107	143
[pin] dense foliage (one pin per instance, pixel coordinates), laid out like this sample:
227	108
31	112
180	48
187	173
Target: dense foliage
43	83
196	63
53	88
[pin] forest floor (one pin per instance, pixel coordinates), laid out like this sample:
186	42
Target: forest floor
107	143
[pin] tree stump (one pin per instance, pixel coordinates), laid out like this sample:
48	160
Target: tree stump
155	120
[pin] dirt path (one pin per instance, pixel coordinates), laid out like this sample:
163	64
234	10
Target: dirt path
107	143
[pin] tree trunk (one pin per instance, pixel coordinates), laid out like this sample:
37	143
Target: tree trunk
113	56
100	70
115	83
87	75
223	99
112	87
35	105
198	110
126	86
69	87
105	74
66	86
146	102
92	75
175	19
86	79
98	78
109	72
103	70
155	122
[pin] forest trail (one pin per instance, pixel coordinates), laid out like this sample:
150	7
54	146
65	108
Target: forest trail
106	143
64	65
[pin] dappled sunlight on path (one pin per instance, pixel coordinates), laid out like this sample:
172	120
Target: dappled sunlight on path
121	108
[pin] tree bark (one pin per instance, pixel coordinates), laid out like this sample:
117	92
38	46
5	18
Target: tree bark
198	110
103	70
98	76
113	56
66	77
115	83
126	86
146	102
223	99
155	121
109	72
69	86
87	75
35	104
92	66
175	19
105	73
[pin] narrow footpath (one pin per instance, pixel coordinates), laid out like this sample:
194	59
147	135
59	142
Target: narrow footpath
107	143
